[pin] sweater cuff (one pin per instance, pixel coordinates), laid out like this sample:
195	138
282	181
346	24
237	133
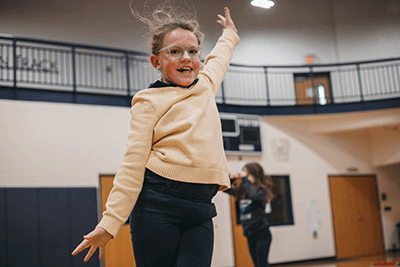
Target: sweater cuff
111	225
232	34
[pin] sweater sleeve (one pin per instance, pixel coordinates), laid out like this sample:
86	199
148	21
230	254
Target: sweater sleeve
129	179
217	62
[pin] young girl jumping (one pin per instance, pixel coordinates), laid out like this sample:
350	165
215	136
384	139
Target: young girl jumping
175	161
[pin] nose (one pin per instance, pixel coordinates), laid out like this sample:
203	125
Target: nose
186	55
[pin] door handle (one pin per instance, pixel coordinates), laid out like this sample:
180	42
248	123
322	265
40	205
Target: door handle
359	218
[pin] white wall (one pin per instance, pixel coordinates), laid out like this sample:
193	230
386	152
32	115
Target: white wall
334	153
389	183
332	30
58	145
49	144
308	174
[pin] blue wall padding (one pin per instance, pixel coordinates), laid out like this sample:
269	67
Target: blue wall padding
22	227
83	220
54	232
41	226
3	237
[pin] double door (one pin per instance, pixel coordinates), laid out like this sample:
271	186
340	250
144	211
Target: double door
316	90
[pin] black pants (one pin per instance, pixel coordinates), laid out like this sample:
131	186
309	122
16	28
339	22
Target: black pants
171	224
259	244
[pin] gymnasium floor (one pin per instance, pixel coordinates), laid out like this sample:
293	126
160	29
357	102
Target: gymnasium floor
356	262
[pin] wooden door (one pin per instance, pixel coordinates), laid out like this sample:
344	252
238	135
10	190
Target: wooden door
241	249
118	251
306	94
356	216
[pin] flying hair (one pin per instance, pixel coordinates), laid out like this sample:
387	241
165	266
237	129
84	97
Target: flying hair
164	18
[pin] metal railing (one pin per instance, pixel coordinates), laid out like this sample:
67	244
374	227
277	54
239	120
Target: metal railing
47	65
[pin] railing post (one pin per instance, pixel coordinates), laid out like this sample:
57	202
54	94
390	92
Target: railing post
73	74
15	67
128	81
266	85
359	82
314	90
223	92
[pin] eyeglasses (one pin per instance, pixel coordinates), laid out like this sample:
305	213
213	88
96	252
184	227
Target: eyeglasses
177	51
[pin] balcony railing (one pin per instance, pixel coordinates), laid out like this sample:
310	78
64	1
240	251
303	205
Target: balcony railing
82	69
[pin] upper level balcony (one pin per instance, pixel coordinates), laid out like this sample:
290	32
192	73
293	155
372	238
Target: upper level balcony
41	70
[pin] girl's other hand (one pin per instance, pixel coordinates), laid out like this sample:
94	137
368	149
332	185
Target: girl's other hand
98	238
227	21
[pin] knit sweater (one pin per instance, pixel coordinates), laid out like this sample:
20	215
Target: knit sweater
176	133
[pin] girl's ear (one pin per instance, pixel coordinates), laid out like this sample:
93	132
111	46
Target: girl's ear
154	61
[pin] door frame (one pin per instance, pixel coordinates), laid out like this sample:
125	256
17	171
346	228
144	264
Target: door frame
377	197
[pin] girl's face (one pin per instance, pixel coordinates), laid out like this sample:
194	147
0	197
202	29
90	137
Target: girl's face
179	71
250	177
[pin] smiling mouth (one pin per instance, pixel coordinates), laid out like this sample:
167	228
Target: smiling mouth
185	70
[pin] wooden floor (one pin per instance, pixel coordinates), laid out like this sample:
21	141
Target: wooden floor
356	262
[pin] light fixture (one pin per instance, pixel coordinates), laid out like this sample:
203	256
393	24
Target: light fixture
263	3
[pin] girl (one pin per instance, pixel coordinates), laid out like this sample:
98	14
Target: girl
254	191
175	162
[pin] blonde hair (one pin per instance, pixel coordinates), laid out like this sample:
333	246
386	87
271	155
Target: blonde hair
166	17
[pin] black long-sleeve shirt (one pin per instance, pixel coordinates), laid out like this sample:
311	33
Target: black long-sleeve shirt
251	205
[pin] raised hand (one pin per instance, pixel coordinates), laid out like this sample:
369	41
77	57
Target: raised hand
226	21
98	238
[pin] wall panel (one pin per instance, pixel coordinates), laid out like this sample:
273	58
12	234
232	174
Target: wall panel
53	220
3	236
41	226
83	219
22	227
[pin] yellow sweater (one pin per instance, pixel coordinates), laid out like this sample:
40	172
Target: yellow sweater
176	133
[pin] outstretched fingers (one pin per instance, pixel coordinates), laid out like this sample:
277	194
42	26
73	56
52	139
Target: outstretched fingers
226	21
88	242
101	253
90	253
227	13
222	20
98	238
82	246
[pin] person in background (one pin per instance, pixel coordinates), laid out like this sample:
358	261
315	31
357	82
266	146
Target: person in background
252	190
175	161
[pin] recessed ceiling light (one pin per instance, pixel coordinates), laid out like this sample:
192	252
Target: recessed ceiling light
263	3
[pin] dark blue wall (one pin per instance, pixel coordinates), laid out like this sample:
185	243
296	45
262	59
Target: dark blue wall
41	226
